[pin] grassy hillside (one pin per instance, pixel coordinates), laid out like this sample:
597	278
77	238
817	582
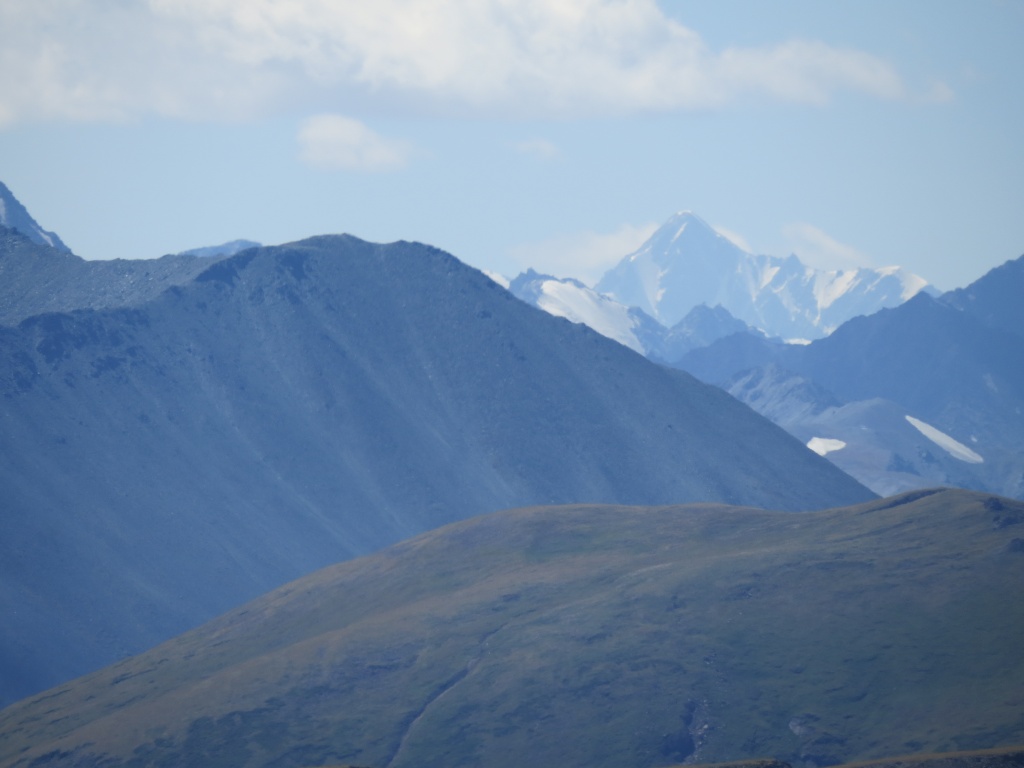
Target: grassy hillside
591	636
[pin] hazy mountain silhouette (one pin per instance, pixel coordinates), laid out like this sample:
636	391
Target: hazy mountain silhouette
997	298
571	299
296	405
955	363
686	263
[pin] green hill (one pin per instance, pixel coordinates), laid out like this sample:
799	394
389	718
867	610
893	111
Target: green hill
590	636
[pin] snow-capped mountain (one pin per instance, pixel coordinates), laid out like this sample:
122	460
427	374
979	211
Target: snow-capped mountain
14	216
630	326
571	299
686	263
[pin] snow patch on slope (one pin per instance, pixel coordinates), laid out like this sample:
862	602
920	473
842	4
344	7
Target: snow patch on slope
582	305
912	284
825	445
499	278
954	448
830	286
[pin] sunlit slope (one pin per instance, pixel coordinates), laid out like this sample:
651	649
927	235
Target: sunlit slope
591	636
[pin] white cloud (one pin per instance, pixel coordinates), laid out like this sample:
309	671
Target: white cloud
734	237
585	256
807	71
939	93
114	61
80	59
338	143
818	249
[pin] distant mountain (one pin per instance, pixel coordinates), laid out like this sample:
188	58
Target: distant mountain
292	406
922	394
591	637
571	299
14	216
225	249
875	440
701	326
997	298
686	263
37	278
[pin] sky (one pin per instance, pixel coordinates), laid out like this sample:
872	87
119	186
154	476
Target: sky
553	134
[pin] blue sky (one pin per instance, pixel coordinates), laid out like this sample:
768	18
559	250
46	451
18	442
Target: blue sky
547	133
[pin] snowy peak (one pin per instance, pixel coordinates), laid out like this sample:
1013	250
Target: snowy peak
686	263
14	216
576	302
680	266
685	235
630	326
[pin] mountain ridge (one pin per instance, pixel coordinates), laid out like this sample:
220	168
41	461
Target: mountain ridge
36	278
13	215
297	404
928	360
686	263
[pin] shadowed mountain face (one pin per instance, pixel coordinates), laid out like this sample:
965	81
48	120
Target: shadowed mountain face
298	405
997	298
961	371
590	636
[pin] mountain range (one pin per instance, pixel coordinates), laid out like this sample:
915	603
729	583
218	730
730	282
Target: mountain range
688	285
631	326
291	406
596	636
901	387
930	392
603	561
686	263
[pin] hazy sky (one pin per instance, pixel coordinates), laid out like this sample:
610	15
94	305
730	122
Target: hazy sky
548	133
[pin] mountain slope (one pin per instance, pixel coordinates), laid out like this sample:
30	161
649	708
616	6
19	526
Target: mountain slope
925	360
997	298
686	263
296	405
36	278
574	301
14	216
590	636
571	299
